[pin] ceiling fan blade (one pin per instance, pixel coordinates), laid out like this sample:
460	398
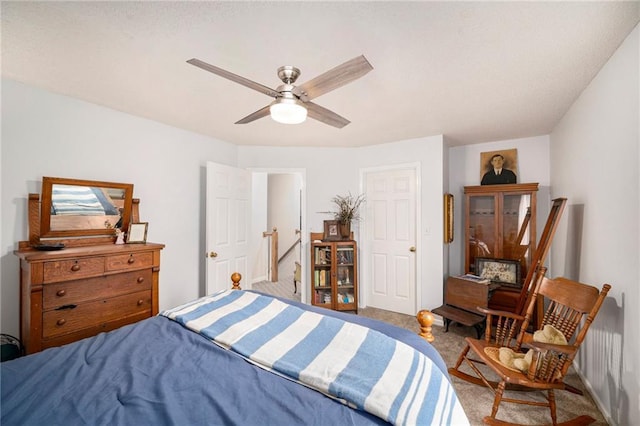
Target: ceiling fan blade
334	78
262	112
235	78
322	114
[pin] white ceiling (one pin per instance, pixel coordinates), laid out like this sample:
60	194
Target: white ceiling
472	71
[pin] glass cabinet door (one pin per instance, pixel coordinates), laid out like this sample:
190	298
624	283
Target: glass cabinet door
345	274
500	224
321	276
481	229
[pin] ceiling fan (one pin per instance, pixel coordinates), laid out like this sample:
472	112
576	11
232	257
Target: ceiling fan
293	104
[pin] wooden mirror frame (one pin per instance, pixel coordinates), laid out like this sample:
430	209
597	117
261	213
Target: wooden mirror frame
45	209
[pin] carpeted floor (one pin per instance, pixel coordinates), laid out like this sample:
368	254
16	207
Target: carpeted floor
284	287
476	400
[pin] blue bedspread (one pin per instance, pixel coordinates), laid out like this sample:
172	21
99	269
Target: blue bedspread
357	365
157	372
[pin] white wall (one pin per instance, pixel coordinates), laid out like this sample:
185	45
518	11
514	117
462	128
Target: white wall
44	134
464	170
594	161
331	171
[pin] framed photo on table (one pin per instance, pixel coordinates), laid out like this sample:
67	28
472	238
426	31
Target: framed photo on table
137	233
331	230
501	271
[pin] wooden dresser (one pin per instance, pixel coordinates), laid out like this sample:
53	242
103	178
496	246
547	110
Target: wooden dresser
92	284
78	292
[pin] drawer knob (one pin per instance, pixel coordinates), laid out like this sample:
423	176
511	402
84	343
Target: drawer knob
75	267
140	302
140	279
61	321
131	260
61	293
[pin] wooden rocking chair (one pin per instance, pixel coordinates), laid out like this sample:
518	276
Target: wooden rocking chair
568	303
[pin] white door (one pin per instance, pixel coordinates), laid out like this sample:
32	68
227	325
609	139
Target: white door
391	236
228	225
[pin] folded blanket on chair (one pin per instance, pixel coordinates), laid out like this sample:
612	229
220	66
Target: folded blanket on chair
361	367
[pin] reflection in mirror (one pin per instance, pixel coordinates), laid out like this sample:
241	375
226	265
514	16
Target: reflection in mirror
72	207
85	207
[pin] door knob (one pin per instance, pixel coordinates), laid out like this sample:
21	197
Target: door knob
213	254
412	249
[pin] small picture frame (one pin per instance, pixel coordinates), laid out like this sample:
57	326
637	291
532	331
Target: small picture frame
501	271
331	230
137	233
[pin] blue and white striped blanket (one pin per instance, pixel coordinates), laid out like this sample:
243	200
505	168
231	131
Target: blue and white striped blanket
362	368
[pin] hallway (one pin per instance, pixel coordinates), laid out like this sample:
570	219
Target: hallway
284	287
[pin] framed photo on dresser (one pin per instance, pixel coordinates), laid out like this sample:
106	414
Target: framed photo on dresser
137	233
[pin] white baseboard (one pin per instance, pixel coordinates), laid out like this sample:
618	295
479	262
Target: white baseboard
592	393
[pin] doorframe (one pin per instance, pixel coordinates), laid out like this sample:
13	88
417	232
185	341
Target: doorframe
304	236
365	265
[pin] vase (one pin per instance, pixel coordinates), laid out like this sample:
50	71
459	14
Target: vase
345	230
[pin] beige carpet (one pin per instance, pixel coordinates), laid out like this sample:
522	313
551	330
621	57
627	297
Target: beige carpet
284	287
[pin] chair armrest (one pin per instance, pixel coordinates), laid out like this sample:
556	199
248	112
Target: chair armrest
493	312
545	347
501	327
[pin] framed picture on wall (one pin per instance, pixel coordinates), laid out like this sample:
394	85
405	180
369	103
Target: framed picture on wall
448	218
499	167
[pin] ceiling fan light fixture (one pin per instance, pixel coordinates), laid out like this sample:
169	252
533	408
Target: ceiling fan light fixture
288	111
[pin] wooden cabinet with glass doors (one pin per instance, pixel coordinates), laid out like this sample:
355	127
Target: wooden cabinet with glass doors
334	273
500	223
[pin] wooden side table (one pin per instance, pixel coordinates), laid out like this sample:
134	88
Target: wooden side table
461	298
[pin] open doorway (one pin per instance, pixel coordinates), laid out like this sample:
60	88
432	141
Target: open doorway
278	209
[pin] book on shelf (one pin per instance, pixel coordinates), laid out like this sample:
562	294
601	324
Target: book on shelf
345	255
475	278
323	256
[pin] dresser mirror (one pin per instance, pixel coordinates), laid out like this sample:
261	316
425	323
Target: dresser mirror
79	208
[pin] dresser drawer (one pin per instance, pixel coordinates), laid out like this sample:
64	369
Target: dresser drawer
85	315
129	261
74	292
73	269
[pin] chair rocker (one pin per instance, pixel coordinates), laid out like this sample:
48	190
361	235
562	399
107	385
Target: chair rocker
567	303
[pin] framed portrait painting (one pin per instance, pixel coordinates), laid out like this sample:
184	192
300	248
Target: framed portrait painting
499	167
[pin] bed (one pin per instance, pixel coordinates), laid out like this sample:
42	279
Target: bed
235	357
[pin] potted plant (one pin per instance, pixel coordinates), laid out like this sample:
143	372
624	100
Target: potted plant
347	210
